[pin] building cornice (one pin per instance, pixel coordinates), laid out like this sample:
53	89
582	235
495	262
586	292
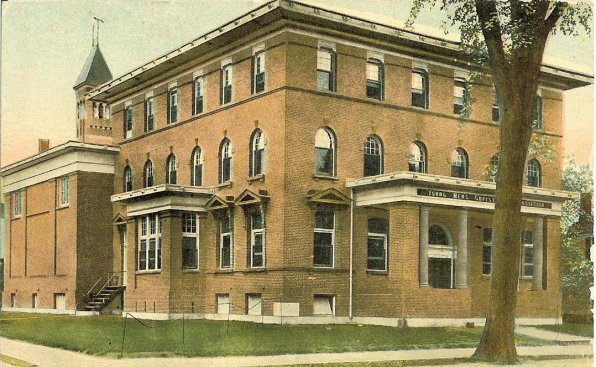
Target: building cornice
61	160
318	16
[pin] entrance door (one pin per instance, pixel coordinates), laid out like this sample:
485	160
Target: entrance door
439	272
124	252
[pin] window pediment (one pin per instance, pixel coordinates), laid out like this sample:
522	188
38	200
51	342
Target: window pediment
217	203
248	197
329	196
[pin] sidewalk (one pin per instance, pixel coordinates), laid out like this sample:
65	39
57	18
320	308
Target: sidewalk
51	357
559	338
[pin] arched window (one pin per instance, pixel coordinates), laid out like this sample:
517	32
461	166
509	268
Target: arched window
324	152
459	163
196	162
257	153
127	179
417	160
148	178
440	258
373	156
534	173
171	170
493	167
225	161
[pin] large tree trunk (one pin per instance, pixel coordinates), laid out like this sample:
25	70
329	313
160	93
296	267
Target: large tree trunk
497	342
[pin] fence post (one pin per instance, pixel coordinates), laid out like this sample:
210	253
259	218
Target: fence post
123	335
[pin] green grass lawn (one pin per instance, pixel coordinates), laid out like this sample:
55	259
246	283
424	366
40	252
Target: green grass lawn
586	330
102	335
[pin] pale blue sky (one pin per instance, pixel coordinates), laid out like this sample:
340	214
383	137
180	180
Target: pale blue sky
45	44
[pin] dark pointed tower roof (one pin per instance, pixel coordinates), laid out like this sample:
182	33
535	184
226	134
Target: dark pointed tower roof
95	71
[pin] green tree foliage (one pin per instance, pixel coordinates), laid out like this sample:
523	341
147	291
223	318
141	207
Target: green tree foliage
576	269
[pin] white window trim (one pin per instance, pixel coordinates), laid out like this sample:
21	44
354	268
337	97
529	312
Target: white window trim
254	232
228	66
222	234
64	191
332	231
263	56
148	236
193	235
523	262
199	78
171	92
17	204
378	235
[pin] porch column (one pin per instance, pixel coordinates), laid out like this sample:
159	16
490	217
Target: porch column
538	257
461	266
423	261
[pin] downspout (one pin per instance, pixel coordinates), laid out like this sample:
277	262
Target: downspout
351	296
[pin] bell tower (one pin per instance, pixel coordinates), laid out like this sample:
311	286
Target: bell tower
93	117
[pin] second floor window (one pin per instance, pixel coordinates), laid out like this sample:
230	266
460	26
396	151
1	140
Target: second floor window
172	170
375	79
258	72
373	156
197	167
459	163
324	152
149	114
417	160
148	180
538	119
226	84
493	168
324	238
172	106
257	153
534	177
128	122
64	190
459	96
197	95
420	88
326	69
17	203
225	161
127	179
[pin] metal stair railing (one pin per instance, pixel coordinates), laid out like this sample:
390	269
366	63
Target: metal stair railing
113	278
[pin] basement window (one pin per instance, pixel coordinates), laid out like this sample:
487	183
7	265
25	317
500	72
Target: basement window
324	305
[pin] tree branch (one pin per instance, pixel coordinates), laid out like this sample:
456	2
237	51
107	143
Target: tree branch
554	16
491	30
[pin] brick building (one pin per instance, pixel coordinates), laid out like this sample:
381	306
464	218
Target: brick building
304	165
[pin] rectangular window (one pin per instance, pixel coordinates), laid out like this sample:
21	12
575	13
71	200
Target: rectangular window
17	203
326	69
487	251
190	241
226	245
149	250
64	193
258	72
60	301
257	241
324	238
324	305
538	118
374	79
223	303
420	88
496	105
254	304
226	84
34	303
377	244
149	114
13	300
198	91
459	96
528	255
172	106
128	122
